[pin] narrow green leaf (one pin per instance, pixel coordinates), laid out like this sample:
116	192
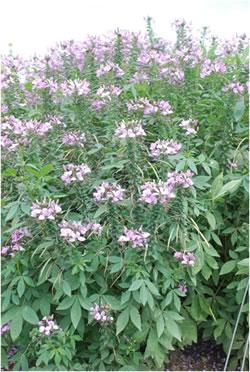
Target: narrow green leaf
66	288
76	313
211	220
20	287
152	288
136	285
239	109
173	328
16	327
229	187
135	317
160	325
122	321
143	294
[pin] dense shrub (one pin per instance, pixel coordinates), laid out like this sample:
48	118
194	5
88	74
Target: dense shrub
125	193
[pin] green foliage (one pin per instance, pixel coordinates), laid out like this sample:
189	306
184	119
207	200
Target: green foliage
140	288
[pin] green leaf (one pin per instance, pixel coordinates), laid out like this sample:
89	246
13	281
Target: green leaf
10	314
76	313
228	188
227	267
216	239
244	262
9	172
115	259
12	212
16	327
44	305
46	170
152	288
101	210
136	285
20	287
143	294
173	328
66	288
117	267
211	220
122	321
217	185
66	303
30	315
152	343
192	165
210	250
135	317
239	109
125	297
160	325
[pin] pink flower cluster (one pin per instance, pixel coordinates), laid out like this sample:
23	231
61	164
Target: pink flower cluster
78	87
180	178
107	91
15	245
189	126
109	192
153	193
162	147
74	138
174	75
73	231
130	129
210	67
20	130
74	173
162	192
99	313
187	259
45	210
104	95
105	69
48	326
137	238
150	108
234	87
8	143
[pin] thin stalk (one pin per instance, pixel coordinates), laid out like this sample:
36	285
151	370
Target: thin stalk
235	328
245	354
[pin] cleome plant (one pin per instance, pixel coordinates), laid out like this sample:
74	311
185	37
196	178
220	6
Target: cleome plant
125	194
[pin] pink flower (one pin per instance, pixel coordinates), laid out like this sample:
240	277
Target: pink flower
187	259
48	325
137	238
45	210
189	126
99	313
162	147
74	138
130	129
234	87
107	191
74	173
76	231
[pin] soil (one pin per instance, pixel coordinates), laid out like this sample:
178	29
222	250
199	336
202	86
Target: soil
203	356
